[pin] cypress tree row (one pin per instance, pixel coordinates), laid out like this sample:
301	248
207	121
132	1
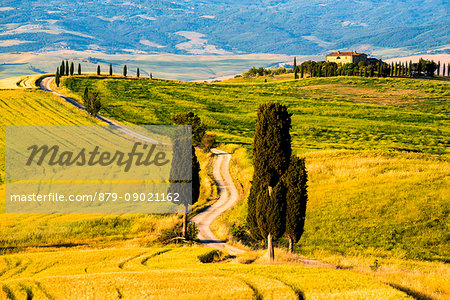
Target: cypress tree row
79	69
271	157
295	180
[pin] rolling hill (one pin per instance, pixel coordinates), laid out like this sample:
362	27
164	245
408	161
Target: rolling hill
223	27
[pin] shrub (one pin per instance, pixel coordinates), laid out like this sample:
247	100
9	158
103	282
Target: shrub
211	256
208	142
175	235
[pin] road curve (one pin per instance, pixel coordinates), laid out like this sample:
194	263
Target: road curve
228	198
228	192
45	86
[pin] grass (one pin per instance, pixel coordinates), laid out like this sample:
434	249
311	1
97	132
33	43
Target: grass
377	157
329	113
159	272
35	107
384	214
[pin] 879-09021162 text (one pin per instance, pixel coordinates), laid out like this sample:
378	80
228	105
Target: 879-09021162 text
101	197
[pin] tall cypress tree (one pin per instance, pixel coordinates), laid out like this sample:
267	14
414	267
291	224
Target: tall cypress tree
125	70
67	68
271	156
138	73
57	77
183	151
438	70
71	69
448	69
443	70
79	69
294	68
295	180
98	70
110	70
302	72
61	69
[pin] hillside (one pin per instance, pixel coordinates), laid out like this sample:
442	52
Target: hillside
329	113
217	27
376	153
17	231
377	157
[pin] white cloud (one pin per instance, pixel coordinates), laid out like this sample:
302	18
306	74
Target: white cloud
6	8
208	17
150	44
197	44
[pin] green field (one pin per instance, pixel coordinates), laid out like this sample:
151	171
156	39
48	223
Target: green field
376	149
377	157
328	113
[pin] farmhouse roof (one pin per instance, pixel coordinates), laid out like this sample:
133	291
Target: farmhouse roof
339	53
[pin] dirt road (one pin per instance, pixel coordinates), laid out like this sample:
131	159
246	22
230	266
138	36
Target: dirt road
228	192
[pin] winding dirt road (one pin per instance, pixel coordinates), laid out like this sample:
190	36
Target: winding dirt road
228	198
228	192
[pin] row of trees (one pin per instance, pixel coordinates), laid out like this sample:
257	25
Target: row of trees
380	69
66	69
278	195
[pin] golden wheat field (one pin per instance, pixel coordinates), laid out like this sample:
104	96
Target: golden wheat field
162	273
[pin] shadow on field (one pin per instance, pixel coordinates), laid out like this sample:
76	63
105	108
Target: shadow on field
13	249
416	295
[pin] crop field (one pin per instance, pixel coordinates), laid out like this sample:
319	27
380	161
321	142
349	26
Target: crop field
377	159
379	213
379	171
34	107
143	273
328	113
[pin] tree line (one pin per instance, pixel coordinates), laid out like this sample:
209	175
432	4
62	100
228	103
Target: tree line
66	69
380	69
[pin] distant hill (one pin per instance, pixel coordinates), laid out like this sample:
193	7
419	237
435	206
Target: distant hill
222	27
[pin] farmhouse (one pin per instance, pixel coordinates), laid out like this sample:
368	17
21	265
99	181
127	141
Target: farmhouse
346	57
